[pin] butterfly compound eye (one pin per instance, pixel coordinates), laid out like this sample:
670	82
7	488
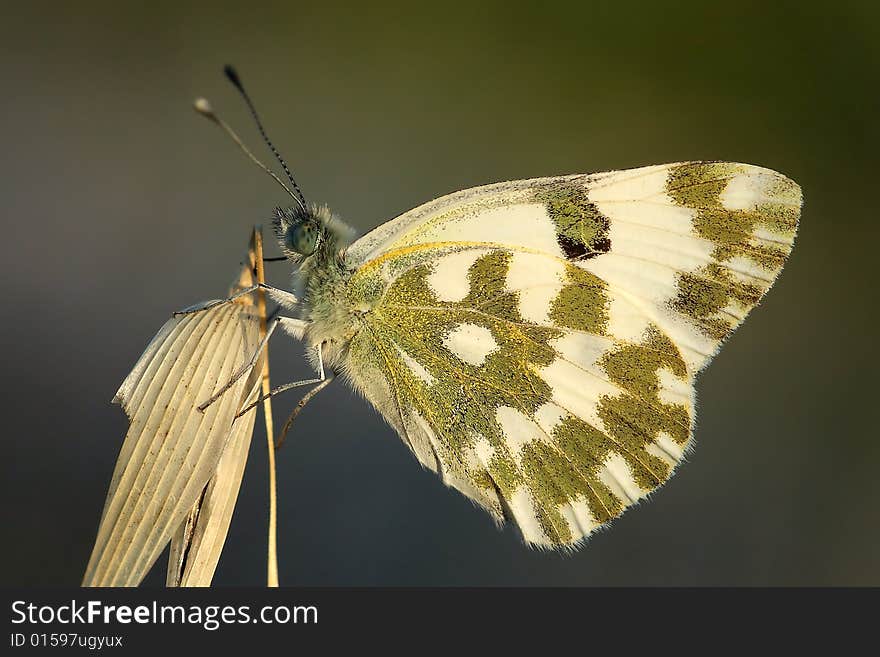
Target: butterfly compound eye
303	238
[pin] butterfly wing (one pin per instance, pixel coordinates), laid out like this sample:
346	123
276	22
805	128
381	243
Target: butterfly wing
535	342
697	243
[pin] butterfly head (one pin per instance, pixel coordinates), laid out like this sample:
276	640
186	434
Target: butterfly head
303	232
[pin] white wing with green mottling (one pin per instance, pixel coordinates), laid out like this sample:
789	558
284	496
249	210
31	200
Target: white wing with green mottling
535	342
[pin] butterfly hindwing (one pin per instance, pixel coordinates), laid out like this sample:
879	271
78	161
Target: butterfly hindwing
517	396
535	342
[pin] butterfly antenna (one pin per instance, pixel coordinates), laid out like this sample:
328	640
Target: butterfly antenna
234	79
203	107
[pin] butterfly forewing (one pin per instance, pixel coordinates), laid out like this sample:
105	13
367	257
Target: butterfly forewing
535	342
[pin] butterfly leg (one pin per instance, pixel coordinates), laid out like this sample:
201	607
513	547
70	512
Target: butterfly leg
289	386
295	327
321	382
296	411
281	296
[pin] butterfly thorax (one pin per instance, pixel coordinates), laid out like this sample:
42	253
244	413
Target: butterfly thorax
324	277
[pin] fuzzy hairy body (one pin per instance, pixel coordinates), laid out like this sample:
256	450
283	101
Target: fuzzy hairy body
321	279
330	310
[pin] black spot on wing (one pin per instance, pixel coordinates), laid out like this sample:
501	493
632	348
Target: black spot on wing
575	249
572	248
600	245
581	228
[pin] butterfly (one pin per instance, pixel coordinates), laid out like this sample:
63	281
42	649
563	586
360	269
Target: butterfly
535	343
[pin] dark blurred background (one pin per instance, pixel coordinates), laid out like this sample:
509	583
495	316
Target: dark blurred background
120	205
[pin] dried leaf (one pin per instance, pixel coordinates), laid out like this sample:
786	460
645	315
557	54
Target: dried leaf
172	450
197	545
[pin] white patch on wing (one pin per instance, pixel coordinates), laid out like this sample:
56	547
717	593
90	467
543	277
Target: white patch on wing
655	450
442	216
548	416
449	279
471	343
669	446
522	224
652	242
663	249
518	430
416	367
637	304
571	520
694	346
523	509
538	279
761	234
582	349
484	450
640	182
639	197
746	190
577	515
643	267
673	390
577	391
617	476
627	319
747	271
734	309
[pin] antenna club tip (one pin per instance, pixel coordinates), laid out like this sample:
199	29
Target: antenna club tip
202	106
232	74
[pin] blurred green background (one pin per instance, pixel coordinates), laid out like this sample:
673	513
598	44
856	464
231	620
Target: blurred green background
120	205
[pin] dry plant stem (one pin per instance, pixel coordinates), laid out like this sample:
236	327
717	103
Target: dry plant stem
272	550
